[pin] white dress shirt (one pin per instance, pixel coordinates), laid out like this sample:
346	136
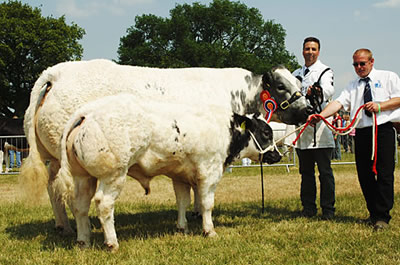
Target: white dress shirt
384	86
324	136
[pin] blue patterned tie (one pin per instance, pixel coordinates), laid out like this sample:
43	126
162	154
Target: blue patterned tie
367	94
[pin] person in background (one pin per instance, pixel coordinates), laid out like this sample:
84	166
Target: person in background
378	92
346	138
315	147
17	155
337	122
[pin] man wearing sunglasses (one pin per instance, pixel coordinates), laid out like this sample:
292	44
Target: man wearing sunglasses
379	92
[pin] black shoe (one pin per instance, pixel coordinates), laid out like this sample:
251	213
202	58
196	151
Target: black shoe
328	216
380	225
366	221
308	213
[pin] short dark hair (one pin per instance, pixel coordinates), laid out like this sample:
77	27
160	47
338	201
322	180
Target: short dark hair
313	39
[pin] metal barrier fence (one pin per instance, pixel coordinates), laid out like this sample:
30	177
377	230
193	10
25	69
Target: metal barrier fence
292	161
20	143
14	149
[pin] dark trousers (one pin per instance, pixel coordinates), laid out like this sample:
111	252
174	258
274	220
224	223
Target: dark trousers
378	190
308	191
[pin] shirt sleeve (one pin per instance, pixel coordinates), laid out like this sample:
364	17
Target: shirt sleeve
344	98
395	85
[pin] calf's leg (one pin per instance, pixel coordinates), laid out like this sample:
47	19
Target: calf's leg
106	194
206	191
83	194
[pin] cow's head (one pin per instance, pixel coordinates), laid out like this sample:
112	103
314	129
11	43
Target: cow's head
252	137
284	88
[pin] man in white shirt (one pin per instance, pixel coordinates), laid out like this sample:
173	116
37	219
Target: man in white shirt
315	146
383	88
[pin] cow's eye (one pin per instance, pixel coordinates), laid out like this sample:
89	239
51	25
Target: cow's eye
281	87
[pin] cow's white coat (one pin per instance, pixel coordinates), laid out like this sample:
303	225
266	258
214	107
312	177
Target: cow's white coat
65	87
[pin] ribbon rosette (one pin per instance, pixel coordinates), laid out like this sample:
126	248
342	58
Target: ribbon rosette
269	104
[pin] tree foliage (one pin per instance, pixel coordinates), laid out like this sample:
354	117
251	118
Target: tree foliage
223	34
29	43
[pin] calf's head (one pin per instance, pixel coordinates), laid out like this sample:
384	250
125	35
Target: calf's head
252	137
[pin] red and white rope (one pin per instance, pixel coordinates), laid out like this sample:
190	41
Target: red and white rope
346	130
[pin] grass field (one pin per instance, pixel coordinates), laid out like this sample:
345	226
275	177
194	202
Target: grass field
146	226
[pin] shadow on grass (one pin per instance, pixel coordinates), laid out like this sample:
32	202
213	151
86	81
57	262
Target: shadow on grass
272	213
142	225
154	223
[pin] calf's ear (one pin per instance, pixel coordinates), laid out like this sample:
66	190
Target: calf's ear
244	122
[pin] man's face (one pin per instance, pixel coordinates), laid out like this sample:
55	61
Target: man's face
310	53
362	64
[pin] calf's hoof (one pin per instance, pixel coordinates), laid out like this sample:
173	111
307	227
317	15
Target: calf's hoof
210	233
82	244
112	247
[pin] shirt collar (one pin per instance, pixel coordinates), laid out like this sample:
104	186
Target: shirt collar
371	75
313	66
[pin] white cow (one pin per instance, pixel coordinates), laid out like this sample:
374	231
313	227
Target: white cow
118	135
65	87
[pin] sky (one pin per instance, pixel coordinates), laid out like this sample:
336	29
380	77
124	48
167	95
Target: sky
341	25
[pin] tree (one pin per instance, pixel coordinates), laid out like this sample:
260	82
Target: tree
29	43
224	34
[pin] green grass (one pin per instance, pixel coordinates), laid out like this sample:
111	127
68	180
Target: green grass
146	227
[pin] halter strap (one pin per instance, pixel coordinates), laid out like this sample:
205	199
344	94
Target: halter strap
263	151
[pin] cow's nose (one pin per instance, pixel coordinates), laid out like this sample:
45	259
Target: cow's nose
272	157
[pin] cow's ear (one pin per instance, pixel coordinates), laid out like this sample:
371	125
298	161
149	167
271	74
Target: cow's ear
267	80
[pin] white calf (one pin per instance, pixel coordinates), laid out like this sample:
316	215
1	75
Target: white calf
119	135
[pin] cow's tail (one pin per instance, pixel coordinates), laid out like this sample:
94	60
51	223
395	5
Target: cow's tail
64	182
33	177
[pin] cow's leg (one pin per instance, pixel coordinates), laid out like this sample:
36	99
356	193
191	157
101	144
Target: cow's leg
206	189
182	194
1	159
197	203
60	214
84	189
106	194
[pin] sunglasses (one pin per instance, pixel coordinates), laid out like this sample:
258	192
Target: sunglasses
359	64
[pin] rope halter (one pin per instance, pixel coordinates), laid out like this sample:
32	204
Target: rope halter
269	148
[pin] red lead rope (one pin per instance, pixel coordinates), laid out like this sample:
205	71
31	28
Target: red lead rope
347	130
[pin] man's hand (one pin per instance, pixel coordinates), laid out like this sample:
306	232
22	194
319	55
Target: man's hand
371	107
313	119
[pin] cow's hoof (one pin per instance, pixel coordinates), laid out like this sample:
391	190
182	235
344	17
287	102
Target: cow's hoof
183	231
82	244
112	247
210	233
64	231
68	231
196	215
